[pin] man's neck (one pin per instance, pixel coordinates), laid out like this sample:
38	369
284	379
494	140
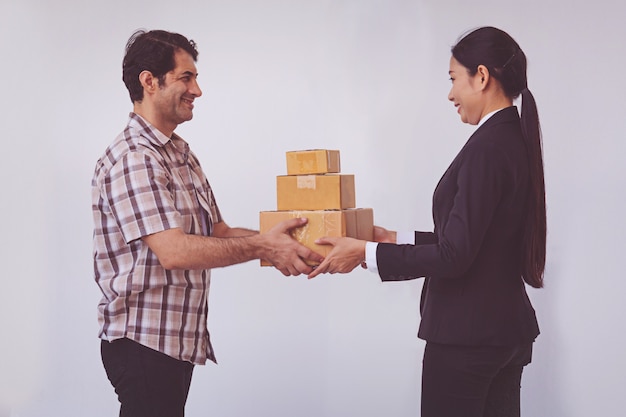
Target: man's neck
152	117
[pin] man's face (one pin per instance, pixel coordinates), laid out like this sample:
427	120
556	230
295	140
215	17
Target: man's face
174	98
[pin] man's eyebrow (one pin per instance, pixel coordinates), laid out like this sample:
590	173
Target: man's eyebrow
189	74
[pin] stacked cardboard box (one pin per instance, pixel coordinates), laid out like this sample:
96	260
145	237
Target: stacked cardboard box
315	188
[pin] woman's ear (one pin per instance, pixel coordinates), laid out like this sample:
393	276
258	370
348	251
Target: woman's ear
483	73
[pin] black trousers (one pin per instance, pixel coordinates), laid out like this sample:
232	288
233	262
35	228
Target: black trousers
148	383
467	381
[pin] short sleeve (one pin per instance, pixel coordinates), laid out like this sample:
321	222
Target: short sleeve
138	191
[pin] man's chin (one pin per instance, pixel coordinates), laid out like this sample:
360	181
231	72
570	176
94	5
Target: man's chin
185	118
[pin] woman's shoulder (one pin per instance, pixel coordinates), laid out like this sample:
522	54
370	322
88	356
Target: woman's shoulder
502	131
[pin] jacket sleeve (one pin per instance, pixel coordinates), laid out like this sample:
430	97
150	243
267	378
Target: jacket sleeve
465	204
425	238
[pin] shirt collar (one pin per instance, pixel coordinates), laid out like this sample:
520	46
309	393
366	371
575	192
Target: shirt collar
486	117
153	134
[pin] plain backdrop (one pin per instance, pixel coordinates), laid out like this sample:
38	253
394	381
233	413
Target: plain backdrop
367	77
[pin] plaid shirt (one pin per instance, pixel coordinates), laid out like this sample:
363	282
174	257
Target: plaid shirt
143	184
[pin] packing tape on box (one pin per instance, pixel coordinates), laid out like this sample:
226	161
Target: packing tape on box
306	181
329	225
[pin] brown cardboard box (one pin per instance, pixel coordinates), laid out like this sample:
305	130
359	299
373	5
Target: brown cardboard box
315	192
357	223
360	223
313	161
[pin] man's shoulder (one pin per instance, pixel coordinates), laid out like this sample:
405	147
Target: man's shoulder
128	141
131	142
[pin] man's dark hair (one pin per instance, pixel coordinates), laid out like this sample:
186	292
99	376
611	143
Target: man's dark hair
152	51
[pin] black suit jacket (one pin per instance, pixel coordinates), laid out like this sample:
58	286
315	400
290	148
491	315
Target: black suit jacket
474	293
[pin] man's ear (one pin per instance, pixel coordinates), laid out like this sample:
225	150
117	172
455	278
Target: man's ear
149	82
483	75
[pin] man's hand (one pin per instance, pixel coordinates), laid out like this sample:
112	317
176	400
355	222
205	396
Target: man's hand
287	254
347	254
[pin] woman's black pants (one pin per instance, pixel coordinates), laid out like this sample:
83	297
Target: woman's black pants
469	381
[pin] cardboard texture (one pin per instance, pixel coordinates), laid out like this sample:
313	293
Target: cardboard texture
313	161
360	223
315	192
357	223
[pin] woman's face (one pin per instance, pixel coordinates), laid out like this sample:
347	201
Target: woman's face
466	93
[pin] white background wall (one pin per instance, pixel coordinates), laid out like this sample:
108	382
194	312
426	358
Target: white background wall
367	77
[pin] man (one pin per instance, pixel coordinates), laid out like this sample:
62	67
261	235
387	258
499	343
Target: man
158	232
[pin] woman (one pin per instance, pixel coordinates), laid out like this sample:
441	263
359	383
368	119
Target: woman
489	238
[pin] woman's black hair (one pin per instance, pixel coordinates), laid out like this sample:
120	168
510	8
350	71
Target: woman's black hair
506	62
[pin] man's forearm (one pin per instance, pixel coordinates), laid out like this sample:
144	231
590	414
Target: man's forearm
240	232
178	250
201	252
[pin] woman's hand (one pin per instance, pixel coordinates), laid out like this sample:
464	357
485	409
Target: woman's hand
347	254
382	235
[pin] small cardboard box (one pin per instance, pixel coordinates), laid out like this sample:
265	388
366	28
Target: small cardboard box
360	223
313	161
357	223
315	192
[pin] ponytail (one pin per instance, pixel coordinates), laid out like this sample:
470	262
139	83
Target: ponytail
535	227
